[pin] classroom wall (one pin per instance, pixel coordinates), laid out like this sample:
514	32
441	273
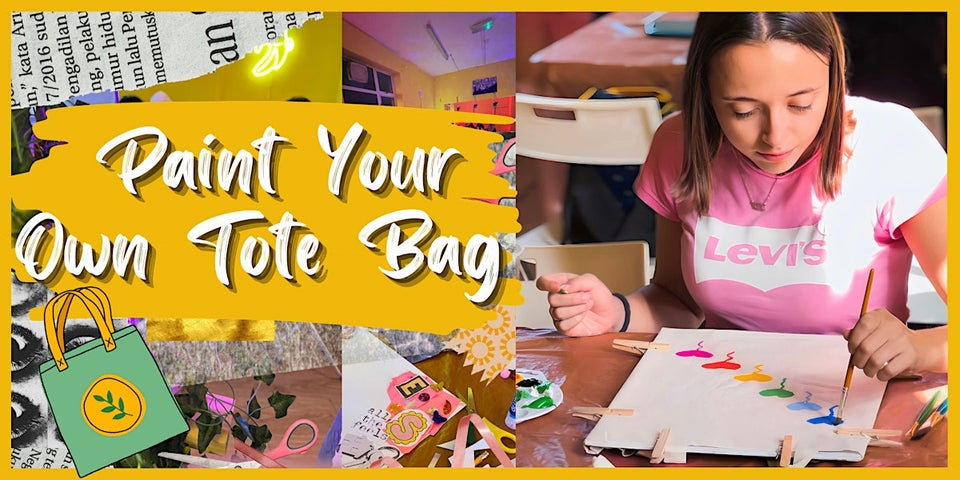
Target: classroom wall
458	86
311	70
411	80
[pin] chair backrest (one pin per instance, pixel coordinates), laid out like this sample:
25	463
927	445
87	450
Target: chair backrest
597	132
932	117
622	266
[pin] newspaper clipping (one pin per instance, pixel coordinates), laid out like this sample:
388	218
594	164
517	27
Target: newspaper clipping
59	55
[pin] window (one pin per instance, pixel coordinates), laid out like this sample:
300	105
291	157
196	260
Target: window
366	85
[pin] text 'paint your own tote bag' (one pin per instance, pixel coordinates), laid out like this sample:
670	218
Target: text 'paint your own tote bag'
108	396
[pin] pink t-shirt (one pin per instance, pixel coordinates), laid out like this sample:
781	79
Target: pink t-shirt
801	265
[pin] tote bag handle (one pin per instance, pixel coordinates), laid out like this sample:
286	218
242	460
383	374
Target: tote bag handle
55	316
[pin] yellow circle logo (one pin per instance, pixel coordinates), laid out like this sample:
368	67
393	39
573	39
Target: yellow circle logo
112	406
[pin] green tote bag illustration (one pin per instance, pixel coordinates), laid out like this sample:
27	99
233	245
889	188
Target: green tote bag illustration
108	396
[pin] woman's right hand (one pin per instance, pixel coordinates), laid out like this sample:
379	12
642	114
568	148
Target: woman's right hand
581	305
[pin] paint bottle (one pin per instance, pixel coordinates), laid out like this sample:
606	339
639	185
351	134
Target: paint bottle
511	420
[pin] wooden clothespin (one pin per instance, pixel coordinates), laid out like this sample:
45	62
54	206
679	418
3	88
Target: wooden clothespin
786	451
875	436
594	413
656	456
638	346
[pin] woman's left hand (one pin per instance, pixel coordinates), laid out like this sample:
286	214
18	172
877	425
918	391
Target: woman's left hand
882	345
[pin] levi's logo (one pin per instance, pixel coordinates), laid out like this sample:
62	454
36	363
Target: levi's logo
765	258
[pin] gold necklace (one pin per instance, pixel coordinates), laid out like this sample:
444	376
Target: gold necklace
758	206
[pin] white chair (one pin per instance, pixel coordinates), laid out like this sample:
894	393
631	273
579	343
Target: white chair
622	266
932	117
583	131
596	132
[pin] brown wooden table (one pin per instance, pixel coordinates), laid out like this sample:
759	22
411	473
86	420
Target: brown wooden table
614	51
590	373
318	392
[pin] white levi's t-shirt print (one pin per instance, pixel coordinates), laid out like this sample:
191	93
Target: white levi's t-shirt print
762	257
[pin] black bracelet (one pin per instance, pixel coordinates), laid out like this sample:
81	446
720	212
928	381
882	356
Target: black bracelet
626	312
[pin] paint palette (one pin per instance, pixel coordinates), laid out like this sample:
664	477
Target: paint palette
536	395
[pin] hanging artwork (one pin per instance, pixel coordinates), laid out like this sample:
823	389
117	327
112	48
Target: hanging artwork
767	386
485	85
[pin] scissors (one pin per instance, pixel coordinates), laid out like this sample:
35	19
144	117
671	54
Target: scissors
359	451
499	433
287	447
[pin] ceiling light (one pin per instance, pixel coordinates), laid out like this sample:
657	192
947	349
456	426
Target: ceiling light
482	25
437	42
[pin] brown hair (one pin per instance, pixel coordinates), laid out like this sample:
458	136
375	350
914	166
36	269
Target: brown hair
816	31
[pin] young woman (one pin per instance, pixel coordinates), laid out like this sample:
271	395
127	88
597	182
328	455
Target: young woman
776	194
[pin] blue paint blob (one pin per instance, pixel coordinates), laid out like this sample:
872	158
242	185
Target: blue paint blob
806	404
830	419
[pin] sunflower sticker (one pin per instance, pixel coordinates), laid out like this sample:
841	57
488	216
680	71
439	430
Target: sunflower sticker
112	406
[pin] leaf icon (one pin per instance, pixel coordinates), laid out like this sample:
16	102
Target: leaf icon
120	403
98	398
109	396
119	416
108	409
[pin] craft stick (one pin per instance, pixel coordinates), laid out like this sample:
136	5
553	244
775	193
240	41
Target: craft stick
620	412
434	460
587	416
639	344
849	377
877	442
786	451
870	432
657	455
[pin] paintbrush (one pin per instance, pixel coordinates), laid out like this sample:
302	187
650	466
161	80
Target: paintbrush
922	417
849	377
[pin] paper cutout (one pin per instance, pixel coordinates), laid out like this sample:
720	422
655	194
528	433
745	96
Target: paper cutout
492	347
699	352
407	428
389	405
755	376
